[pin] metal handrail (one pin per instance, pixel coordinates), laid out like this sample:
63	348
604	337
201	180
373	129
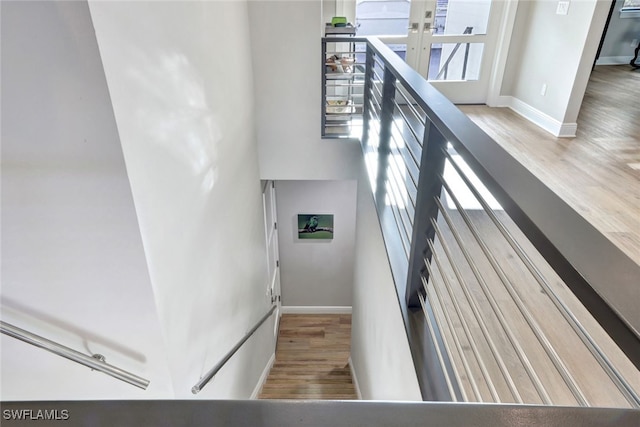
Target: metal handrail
213	371
439	353
577	326
95	361
526	313
474	308
598	273
495	306
463	322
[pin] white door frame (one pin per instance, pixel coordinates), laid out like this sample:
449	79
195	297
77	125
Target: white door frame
273	255
505	21
419	51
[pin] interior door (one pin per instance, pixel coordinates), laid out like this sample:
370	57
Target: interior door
452	44
273	257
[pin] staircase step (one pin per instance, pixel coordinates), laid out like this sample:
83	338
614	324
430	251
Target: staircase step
311	359
286	380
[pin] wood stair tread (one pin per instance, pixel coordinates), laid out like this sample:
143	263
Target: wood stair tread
312	359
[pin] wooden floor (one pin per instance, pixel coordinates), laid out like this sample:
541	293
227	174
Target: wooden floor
598	174
598	171
312	359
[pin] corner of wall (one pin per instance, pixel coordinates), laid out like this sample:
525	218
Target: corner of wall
263	377
354	378
539	118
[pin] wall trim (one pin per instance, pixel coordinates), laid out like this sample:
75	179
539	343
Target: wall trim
263	377
502	52
309	309
614	60
354	378
568	130
537	117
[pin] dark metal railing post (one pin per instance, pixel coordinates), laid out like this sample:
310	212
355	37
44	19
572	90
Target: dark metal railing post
429	186
386	120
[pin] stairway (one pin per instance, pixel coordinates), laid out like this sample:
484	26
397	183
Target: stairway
312	359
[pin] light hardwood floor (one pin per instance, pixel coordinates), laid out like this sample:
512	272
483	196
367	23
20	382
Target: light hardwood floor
312	359
598	171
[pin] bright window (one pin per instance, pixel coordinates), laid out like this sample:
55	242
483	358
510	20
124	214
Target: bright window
382	17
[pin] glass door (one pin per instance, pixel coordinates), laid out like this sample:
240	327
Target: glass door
452	44
386	19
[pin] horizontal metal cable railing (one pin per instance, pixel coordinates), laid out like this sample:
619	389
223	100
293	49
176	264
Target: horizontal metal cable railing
493	288
95	361
213	371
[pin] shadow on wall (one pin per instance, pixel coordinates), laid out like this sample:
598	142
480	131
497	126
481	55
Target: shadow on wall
18	310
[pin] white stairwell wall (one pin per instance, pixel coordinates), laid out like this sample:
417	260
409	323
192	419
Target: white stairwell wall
316	273
181	83
285	42
73	264
155	259
380	354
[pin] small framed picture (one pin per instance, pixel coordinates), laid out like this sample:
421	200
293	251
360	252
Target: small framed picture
315	226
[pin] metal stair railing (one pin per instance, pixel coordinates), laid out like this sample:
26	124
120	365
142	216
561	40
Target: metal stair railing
96	361
410	134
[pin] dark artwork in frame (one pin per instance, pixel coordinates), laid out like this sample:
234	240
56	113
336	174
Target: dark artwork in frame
315	226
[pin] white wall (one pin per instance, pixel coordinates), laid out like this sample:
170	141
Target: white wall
73	265
379	347
180	78
618	46
287	61
316	272
556	51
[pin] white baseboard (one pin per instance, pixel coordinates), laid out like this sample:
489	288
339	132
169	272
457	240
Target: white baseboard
567	130
614	60
308	309
537	117
263	377
355	379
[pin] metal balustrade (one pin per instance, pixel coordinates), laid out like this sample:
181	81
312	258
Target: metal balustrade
491	282
95	362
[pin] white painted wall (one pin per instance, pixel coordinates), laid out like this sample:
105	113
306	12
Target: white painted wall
619	46
380	352
287	65
180	78
556	51
316	272
73	265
